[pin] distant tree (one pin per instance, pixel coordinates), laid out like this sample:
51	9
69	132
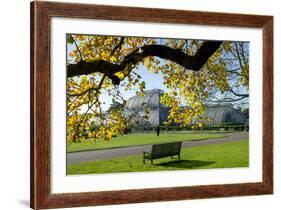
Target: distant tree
246	113
115	105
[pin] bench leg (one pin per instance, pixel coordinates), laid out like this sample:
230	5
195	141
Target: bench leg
179	156
143	160
151	160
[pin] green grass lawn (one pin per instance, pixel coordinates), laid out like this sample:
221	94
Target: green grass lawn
138	139
225	155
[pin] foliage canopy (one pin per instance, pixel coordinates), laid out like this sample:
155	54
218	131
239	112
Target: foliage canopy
196	73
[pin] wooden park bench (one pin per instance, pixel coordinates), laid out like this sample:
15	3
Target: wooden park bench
162	150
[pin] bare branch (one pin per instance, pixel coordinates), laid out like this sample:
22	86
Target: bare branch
81	56
117	46
235	71
84	92
238	94
238	55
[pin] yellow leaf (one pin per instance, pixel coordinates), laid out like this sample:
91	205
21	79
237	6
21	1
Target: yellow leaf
72	54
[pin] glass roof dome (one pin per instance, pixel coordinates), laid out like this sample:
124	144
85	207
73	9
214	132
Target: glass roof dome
222	114
136	107
150	99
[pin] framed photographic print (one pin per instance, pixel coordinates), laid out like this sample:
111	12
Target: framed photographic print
136	105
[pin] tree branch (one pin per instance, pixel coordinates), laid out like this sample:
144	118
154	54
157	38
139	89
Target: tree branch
83	92
118	46
195	62
238	55
81	57
238	94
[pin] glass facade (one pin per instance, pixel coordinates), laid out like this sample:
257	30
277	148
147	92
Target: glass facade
147	111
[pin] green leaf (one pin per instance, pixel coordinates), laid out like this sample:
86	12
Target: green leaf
70	40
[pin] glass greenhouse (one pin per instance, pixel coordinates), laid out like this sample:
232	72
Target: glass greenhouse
147	111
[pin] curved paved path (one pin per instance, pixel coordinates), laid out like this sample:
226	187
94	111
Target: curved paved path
103	154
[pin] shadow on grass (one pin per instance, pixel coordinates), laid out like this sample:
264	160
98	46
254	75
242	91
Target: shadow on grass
186	163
